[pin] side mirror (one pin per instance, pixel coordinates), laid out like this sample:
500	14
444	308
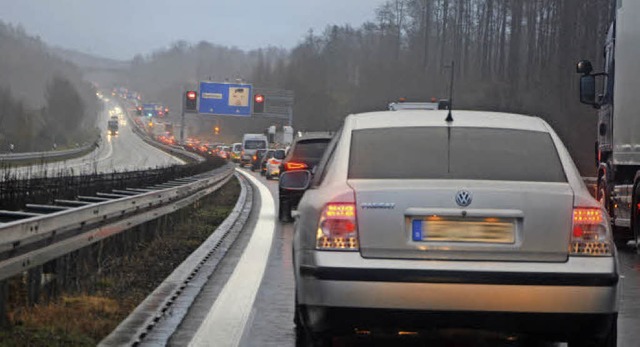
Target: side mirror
295	180
588	90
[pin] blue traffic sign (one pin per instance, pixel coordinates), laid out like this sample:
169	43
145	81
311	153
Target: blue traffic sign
225	99
149	110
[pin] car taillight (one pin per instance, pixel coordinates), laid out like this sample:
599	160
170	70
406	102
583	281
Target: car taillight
590	234
295	166
338	228
274	161
255	158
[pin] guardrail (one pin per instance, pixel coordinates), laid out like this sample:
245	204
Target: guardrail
34	241
48	155
156	319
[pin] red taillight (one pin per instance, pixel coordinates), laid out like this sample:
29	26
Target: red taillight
295	166
590	233
274	161
338	227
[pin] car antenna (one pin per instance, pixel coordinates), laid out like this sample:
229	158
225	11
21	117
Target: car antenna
449	118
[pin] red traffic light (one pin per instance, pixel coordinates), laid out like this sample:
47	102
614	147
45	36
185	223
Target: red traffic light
259	98
191	95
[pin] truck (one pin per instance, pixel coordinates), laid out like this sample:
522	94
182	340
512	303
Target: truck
112	125
617	148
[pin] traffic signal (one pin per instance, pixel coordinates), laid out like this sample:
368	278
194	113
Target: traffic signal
258	103
139	111
191	101
216	130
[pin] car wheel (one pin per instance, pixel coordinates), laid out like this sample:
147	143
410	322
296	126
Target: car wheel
304	336
609	340
284	211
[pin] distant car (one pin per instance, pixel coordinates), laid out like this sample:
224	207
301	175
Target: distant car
304	154
273	164
236	152
482	222
256	159
224	152
263	161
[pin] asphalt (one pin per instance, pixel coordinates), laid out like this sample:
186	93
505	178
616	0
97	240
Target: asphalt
271	319
122	152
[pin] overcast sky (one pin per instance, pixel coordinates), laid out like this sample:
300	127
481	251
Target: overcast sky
122	28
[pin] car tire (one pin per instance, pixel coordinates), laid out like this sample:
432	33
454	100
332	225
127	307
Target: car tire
284	211
304	336
610	339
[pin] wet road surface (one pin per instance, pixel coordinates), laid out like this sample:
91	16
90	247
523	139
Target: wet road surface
271	320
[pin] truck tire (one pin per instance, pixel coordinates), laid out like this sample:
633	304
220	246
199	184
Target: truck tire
603	193
635	214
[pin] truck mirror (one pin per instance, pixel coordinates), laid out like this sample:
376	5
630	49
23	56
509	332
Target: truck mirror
584	67
588	90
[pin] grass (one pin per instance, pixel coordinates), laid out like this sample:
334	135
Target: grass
85	319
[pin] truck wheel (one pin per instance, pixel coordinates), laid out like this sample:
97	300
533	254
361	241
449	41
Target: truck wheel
603	194
635	215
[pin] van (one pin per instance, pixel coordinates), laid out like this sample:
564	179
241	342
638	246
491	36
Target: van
250	144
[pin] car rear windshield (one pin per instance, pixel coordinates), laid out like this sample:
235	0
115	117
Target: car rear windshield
254	144
473	153
237	148
310	148
279	154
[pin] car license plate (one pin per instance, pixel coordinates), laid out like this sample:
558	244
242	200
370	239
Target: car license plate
469	229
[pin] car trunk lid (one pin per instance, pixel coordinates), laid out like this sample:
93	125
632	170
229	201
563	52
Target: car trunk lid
426	219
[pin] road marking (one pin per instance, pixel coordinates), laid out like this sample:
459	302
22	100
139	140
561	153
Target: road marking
227	319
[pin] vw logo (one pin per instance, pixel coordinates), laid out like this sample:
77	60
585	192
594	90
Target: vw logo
464	198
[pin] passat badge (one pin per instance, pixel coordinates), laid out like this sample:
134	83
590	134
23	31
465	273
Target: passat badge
378	205
464	198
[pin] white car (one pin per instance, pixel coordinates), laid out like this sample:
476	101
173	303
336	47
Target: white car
273	163
482	222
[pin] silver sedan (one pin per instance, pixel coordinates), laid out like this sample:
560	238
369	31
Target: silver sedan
482	222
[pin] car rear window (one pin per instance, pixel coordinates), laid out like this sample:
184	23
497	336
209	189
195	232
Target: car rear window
473	153
279	154
237	148
310	148
254	144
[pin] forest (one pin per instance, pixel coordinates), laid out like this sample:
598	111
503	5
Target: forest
44	99
509	55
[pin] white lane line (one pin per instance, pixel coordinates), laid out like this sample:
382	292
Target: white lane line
226	321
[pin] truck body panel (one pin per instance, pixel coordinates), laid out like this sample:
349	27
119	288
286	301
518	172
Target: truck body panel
626	118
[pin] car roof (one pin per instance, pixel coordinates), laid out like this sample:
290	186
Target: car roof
435	118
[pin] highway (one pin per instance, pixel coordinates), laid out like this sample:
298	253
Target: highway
122	152
233	312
